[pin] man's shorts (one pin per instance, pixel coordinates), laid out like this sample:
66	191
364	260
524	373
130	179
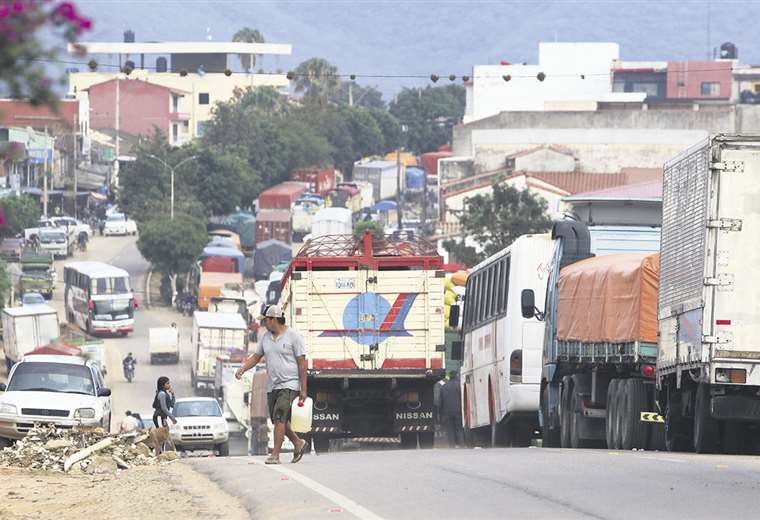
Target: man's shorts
280	402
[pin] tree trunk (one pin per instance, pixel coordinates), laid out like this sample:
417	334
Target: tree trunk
173	278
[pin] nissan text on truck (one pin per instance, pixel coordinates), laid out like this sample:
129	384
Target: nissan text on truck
371	314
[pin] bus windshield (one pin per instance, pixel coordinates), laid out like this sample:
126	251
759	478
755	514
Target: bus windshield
113	309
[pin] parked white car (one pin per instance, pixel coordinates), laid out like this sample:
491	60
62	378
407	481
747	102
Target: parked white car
119	224
72	223
62	390
30	233
200	426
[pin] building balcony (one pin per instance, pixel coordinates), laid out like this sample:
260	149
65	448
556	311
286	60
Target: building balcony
179	116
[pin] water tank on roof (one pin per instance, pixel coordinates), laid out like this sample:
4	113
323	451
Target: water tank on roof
161	65
728	51
129	36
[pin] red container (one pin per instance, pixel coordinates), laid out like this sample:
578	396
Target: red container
282	196
321	180
219	264
273	224
430	161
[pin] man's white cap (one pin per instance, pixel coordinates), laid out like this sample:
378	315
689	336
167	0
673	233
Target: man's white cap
273	311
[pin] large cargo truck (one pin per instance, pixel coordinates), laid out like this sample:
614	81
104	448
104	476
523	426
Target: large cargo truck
215	334
26	328
600	341
320	180
382	175
371	312
709	312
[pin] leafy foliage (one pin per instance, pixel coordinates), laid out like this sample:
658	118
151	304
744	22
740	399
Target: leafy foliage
20	213
25	27
318	80
171	246
374	227
367	97
496	220
429	114
248	35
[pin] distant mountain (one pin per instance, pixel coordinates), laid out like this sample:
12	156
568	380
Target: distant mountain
420	37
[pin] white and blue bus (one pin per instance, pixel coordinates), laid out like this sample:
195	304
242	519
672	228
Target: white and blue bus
99	298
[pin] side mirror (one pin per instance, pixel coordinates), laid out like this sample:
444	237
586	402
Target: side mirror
456	351
528	303
104	392
454	316
2	387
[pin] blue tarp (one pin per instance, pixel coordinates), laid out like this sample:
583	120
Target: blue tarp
269	254
415	178
229	252
221	242
384	205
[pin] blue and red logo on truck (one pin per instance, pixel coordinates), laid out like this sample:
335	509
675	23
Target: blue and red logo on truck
369	318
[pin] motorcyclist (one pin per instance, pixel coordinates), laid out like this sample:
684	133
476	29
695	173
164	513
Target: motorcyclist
128	363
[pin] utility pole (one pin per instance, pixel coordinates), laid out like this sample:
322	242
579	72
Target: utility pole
118	114
45	177
350	93
76	142
171	182
398	188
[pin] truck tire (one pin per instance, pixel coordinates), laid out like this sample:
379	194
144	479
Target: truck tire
549	435
322	443
634	397
575	426
427	440
223	449
610	414
706	434
676	437
565	414
408	441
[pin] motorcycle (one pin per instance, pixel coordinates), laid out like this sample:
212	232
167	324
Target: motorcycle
129	372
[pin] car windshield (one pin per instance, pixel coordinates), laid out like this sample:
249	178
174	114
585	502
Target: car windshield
111	285
32	299
117	217
197	409
113	309
52	236
52	377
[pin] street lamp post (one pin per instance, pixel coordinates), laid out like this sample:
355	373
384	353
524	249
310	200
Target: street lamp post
171	171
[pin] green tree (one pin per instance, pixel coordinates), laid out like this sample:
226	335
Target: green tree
366	133
20	213
220	179
362	96
318	80
374	227
429	114
496	220
248	35
171	246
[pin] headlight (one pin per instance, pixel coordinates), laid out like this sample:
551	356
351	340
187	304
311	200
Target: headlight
84	413
8	409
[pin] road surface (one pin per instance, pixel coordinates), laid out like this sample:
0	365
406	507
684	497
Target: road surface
504	483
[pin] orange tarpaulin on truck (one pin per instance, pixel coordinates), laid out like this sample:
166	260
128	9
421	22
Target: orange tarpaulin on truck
609	299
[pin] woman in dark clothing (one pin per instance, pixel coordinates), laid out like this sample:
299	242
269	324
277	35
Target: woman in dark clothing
163	402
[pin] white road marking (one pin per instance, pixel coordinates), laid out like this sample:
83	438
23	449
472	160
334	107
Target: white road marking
346	503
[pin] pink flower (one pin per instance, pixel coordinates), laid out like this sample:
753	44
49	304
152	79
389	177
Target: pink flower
18	6
4	11
67	10
85	24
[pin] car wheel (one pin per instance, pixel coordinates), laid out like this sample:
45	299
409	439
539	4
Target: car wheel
223	449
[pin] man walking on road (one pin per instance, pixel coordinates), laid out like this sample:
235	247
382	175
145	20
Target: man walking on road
451	410
285	355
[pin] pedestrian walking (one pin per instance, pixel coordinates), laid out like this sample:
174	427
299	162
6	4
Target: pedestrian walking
451	410
285	355
163	402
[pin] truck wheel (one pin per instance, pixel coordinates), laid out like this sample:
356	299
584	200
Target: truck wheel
322	443
223	449
427	440
610	414
675	436
5	442
565	415
706	432
549	435
634	397
575	420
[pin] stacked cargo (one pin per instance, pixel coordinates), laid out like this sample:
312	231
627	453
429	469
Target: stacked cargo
320	180
382	175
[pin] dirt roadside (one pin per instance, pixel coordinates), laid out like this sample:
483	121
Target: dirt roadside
165	491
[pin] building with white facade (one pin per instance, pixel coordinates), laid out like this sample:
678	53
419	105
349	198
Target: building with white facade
576	77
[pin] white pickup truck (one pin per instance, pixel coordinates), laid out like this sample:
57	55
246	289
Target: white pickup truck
34	232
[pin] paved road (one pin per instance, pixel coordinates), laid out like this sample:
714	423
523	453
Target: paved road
503	483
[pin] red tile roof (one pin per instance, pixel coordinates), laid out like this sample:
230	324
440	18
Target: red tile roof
577	182
641	190
21	113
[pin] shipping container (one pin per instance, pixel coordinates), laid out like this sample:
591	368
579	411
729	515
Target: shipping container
430	161
273	224
332	221
210	286
282	196
320	180
382	175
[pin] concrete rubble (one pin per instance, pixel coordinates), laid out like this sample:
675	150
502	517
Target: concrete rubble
89	450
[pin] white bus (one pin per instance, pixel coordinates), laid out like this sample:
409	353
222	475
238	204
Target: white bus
501	365
99	298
